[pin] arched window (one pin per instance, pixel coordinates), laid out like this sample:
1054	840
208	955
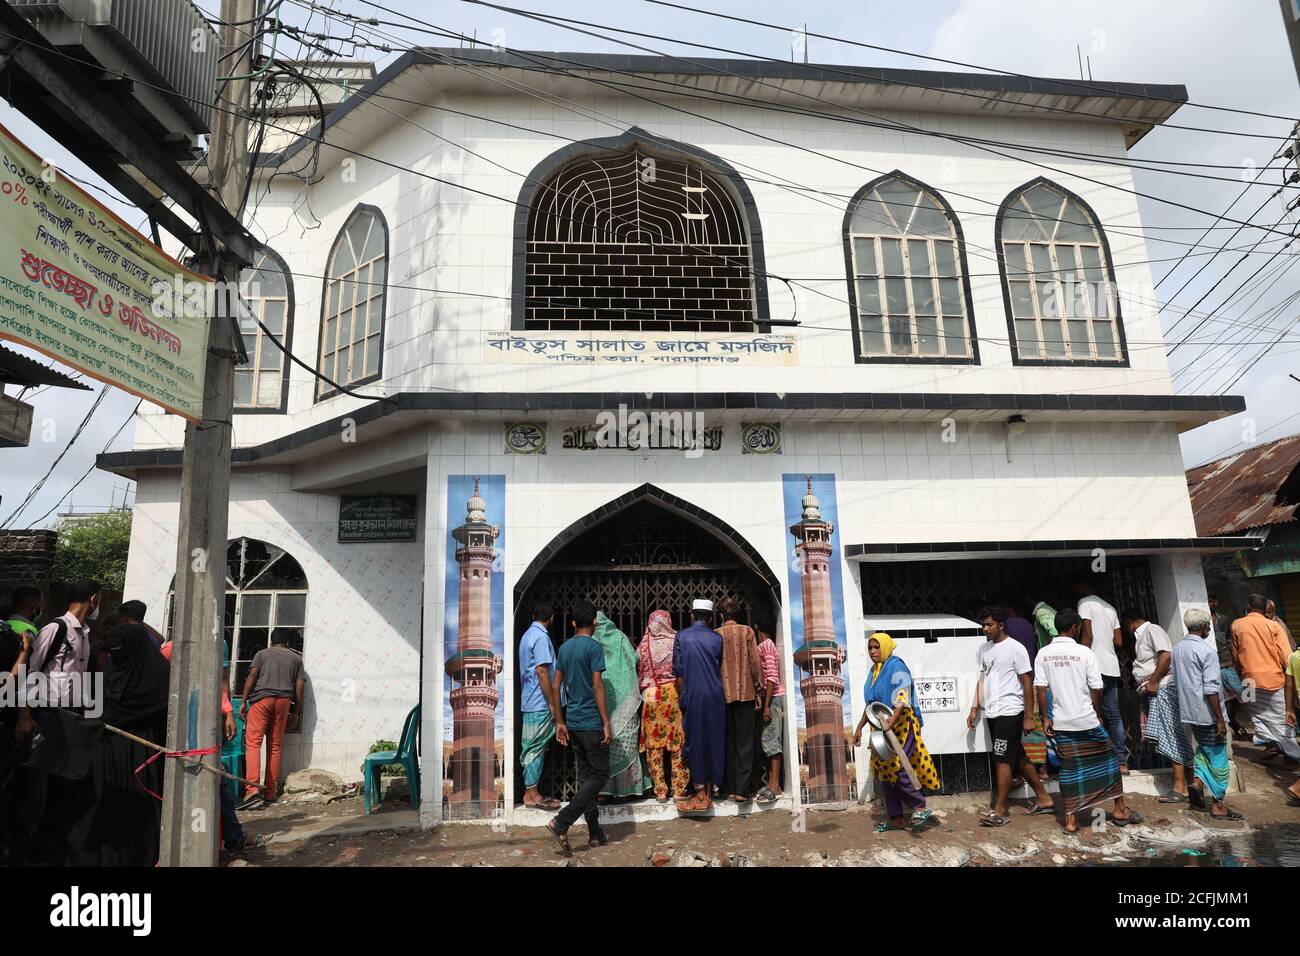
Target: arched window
907	275
267	292
637	234
1058	279
352	317
265	589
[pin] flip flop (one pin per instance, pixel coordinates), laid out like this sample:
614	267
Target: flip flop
561	839
1173	797
1230	815
921	817
889	825
546	803
993	820
594	842
1133	817
1036	809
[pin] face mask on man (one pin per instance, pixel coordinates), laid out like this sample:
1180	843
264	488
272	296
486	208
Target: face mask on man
94	613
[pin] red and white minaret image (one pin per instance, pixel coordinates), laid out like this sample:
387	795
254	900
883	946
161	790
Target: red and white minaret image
473	669
820	656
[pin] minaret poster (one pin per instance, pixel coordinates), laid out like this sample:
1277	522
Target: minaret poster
473	639
824	703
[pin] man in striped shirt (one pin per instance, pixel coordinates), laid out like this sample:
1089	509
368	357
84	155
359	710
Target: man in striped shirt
773	736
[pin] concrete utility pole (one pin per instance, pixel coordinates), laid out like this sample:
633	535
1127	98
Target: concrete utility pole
191	810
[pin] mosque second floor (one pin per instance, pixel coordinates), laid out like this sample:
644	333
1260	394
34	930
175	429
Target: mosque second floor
497	232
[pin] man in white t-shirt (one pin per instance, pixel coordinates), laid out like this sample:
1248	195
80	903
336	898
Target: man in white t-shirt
1089	768
1101	633
1004	692
1154	676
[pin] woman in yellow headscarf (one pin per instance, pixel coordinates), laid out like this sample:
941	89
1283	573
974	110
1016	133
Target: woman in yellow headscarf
890	684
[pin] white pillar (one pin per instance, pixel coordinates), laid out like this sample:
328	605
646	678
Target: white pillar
1179	585
433	684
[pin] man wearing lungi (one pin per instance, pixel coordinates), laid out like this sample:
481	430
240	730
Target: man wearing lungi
1261	651
1089	764
536	660
1200	692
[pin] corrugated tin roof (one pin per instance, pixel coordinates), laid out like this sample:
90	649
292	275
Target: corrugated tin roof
1252	489
16	369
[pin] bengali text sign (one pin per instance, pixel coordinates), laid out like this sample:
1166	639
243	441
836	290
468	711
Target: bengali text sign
663	349
81	286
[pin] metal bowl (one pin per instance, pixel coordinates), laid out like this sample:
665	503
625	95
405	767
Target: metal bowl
880	746
877	714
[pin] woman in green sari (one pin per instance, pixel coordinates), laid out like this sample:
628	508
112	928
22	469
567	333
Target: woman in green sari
627	776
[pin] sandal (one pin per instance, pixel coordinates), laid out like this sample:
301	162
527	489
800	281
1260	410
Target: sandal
993	820
765	796
546	803
597	841
1196	799
889	825
1174	797
1133	817
1231	814
921	817
1038	808
561	839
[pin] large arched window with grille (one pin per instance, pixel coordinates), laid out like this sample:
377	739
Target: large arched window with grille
908	287
266	588
352	313
1058	280
640	239
266	290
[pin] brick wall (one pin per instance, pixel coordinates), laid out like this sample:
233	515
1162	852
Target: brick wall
25	558
639	286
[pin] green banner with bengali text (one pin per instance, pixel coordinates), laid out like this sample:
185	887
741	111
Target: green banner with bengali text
81	286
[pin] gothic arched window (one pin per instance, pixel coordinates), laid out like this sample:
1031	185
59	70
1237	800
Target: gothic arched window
266	588
352	313
1058	279
907	275
628	239
267	293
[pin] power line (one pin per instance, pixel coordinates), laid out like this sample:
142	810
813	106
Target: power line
99	399
93	464
1088	88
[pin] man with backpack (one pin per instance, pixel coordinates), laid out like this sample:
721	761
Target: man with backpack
60	657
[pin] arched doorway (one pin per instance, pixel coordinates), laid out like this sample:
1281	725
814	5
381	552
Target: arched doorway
650	553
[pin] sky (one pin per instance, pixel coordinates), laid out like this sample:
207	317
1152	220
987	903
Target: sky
1233	55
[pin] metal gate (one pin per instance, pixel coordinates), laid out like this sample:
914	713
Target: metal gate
635	562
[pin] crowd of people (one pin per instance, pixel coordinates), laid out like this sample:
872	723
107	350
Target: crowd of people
80	744
1049	692
681	714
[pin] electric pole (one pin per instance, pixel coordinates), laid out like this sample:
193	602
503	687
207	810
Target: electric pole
191	813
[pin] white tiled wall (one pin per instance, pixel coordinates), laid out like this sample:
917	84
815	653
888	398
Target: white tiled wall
450	273
362	641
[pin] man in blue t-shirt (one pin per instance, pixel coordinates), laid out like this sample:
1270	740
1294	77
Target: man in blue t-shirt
536	658
584	725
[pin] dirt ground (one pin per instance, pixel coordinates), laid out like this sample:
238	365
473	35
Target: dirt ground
817	838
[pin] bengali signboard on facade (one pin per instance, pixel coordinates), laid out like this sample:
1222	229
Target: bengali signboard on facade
81	286
640	348
376	518
937	694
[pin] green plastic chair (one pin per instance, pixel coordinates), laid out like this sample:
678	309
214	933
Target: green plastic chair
232	752
405	754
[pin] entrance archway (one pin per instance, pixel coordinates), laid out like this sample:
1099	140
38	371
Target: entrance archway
645	551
